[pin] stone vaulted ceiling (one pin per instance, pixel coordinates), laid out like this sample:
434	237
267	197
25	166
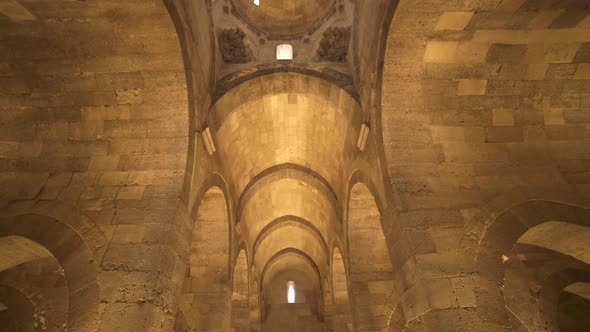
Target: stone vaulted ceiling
419	165
284	18
247	35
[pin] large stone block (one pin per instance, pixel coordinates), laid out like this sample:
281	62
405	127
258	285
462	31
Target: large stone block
506	53
454	20
472	87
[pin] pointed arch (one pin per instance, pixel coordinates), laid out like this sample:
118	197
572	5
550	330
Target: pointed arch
539	224
73	255
342	320
203	301
18	312
371	272
239	299
254	302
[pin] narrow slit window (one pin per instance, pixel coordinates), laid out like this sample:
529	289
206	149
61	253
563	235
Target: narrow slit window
291	292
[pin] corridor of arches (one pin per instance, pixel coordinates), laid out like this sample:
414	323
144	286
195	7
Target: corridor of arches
169	165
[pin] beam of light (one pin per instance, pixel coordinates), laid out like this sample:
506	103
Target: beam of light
257	2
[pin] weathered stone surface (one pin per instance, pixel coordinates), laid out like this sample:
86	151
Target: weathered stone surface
234	48
456	215
334	45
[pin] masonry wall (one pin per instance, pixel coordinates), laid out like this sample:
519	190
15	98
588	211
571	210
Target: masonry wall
94	131
484	106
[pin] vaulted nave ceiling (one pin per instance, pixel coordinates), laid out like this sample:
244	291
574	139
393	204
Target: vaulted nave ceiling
284	18
418	165
246	36
285	135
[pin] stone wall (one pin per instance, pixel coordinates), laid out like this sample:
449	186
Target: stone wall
95	130
482	132
484	106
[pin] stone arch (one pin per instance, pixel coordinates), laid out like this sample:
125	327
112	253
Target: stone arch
498	241
218	181
206	289
295	252
534	281
564	237
43	283
301	223
550	292
370	269
254	301
31	269
18	312
68	215
360	176
16	250
263	83
229	82
286	266
572	306
297	202
342	319
454	133
74	257
102	94
240	311
263	104
291	235
292	171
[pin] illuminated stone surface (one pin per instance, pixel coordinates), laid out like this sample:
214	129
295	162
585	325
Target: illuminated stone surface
466	210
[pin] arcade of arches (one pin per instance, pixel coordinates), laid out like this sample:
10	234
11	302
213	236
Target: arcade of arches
419	165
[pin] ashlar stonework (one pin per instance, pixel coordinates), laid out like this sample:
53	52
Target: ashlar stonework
467	209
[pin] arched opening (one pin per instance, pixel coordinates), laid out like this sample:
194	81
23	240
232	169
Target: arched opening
287	175
470	127
43	283
17	313
287	274
342	320
254	303
30	269
531	257
281	111
573	308
541	252
95	128
240	301
207	284
371	272
567	238
51	265
16	250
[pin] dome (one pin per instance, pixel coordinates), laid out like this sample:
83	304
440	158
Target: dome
284	17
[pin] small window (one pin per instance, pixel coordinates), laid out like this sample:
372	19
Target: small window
284	52
291	292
